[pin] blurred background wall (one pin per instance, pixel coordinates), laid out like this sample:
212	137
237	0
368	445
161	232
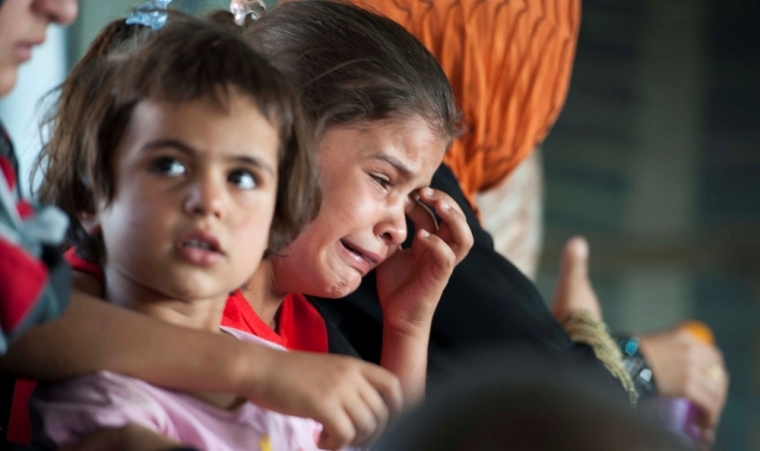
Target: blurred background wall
655	159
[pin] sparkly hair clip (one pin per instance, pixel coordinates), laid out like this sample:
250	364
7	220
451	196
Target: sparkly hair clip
152	13
253	9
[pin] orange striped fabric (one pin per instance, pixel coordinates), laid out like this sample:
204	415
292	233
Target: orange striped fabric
509	62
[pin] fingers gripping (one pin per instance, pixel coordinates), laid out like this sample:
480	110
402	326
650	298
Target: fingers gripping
362	406
433	250
453	230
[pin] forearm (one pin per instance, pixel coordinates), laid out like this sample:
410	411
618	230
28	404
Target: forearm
93	335
405	355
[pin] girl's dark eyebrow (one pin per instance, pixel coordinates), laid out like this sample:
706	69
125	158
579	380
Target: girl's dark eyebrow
174	143
190	150
247	159
405	170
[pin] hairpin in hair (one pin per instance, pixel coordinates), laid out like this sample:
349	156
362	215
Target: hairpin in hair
152	13
253	9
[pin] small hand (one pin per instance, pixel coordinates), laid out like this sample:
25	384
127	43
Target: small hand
411	281
352	399
684	366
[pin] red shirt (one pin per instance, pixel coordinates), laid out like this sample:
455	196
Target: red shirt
300	327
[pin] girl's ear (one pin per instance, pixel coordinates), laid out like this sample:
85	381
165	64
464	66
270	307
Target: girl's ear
90	223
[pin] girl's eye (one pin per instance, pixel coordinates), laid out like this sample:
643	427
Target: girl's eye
243	179
382	181
168	166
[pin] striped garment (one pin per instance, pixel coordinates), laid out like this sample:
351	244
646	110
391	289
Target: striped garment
34	280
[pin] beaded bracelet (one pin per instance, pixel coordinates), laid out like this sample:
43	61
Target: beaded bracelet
637	365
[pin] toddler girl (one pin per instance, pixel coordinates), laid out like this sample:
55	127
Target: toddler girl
172	154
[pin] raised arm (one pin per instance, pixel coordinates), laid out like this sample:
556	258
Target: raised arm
410	284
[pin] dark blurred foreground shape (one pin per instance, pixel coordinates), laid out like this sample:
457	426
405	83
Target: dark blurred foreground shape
520	399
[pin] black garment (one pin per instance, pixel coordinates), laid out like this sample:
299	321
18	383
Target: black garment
337	342
6	147
487	302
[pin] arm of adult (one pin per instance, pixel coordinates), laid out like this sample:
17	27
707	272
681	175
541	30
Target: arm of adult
410	284
683	365
93	335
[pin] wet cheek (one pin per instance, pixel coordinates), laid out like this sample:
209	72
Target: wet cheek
351	206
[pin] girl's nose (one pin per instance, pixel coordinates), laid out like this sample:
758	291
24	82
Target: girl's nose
392	229
205	198
58	11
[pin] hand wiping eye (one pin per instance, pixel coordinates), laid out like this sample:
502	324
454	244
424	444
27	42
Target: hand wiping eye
421	215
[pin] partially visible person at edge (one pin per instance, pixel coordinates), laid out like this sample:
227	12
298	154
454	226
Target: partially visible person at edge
508	108
36	283
326	388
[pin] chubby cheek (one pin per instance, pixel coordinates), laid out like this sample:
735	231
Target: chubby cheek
134	226
253	236
250	235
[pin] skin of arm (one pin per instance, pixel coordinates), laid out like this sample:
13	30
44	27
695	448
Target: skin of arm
410	286
322	387
404	353
106	337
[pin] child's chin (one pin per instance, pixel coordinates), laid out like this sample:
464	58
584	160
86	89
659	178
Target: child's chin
342	288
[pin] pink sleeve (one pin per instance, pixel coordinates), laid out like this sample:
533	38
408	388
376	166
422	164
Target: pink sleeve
70	411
